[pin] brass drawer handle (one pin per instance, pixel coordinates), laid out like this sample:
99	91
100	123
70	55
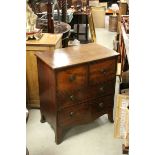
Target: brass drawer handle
103	71
72	78
101	88
71	114
101	105
72	98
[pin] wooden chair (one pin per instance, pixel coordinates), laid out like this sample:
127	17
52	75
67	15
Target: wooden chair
121	64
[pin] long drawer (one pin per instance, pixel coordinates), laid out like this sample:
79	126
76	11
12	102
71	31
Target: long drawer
68	98
74	115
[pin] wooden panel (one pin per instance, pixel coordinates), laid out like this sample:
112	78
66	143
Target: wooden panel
39	48
72	78
46	40
32	78
77	85
102	89
102	71
76	55
33	46
101	106
123	8
47	92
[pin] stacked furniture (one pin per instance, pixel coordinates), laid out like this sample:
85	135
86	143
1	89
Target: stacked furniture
77	85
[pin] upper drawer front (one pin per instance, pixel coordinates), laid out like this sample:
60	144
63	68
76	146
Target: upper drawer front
102	71
72	78
74	115
102	89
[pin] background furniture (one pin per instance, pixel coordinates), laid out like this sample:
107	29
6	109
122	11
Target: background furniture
98	14
123	10
79	88
113	21
79	22
48	42
123	49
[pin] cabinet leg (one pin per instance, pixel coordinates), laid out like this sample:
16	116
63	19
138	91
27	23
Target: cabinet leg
42	120
110	117
58	136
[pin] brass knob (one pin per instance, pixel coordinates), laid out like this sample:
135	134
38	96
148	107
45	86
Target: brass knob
101	89
72	78
71	114
101	104
103	70
72	97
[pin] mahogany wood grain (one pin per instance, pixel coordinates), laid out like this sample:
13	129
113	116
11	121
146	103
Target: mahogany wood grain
74	55
68	79
102	71
67	95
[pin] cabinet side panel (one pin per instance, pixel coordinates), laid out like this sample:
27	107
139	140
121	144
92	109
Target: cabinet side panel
32	79
47	92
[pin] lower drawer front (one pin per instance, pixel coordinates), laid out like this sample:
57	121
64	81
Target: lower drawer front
74	115
101	106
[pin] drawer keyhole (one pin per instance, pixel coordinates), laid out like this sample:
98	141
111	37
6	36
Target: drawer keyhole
72	78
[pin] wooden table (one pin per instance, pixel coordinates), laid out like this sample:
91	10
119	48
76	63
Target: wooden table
48	42
80	18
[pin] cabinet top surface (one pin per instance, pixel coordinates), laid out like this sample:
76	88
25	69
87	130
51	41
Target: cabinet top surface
46	40
75	55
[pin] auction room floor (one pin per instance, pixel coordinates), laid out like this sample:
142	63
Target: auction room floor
96	138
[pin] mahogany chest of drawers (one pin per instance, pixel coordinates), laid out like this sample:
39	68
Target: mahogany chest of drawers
76	85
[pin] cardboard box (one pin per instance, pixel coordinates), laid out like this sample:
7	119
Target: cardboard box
121	122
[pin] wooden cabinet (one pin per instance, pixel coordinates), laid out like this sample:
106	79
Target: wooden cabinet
77	85
48	42
124	45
